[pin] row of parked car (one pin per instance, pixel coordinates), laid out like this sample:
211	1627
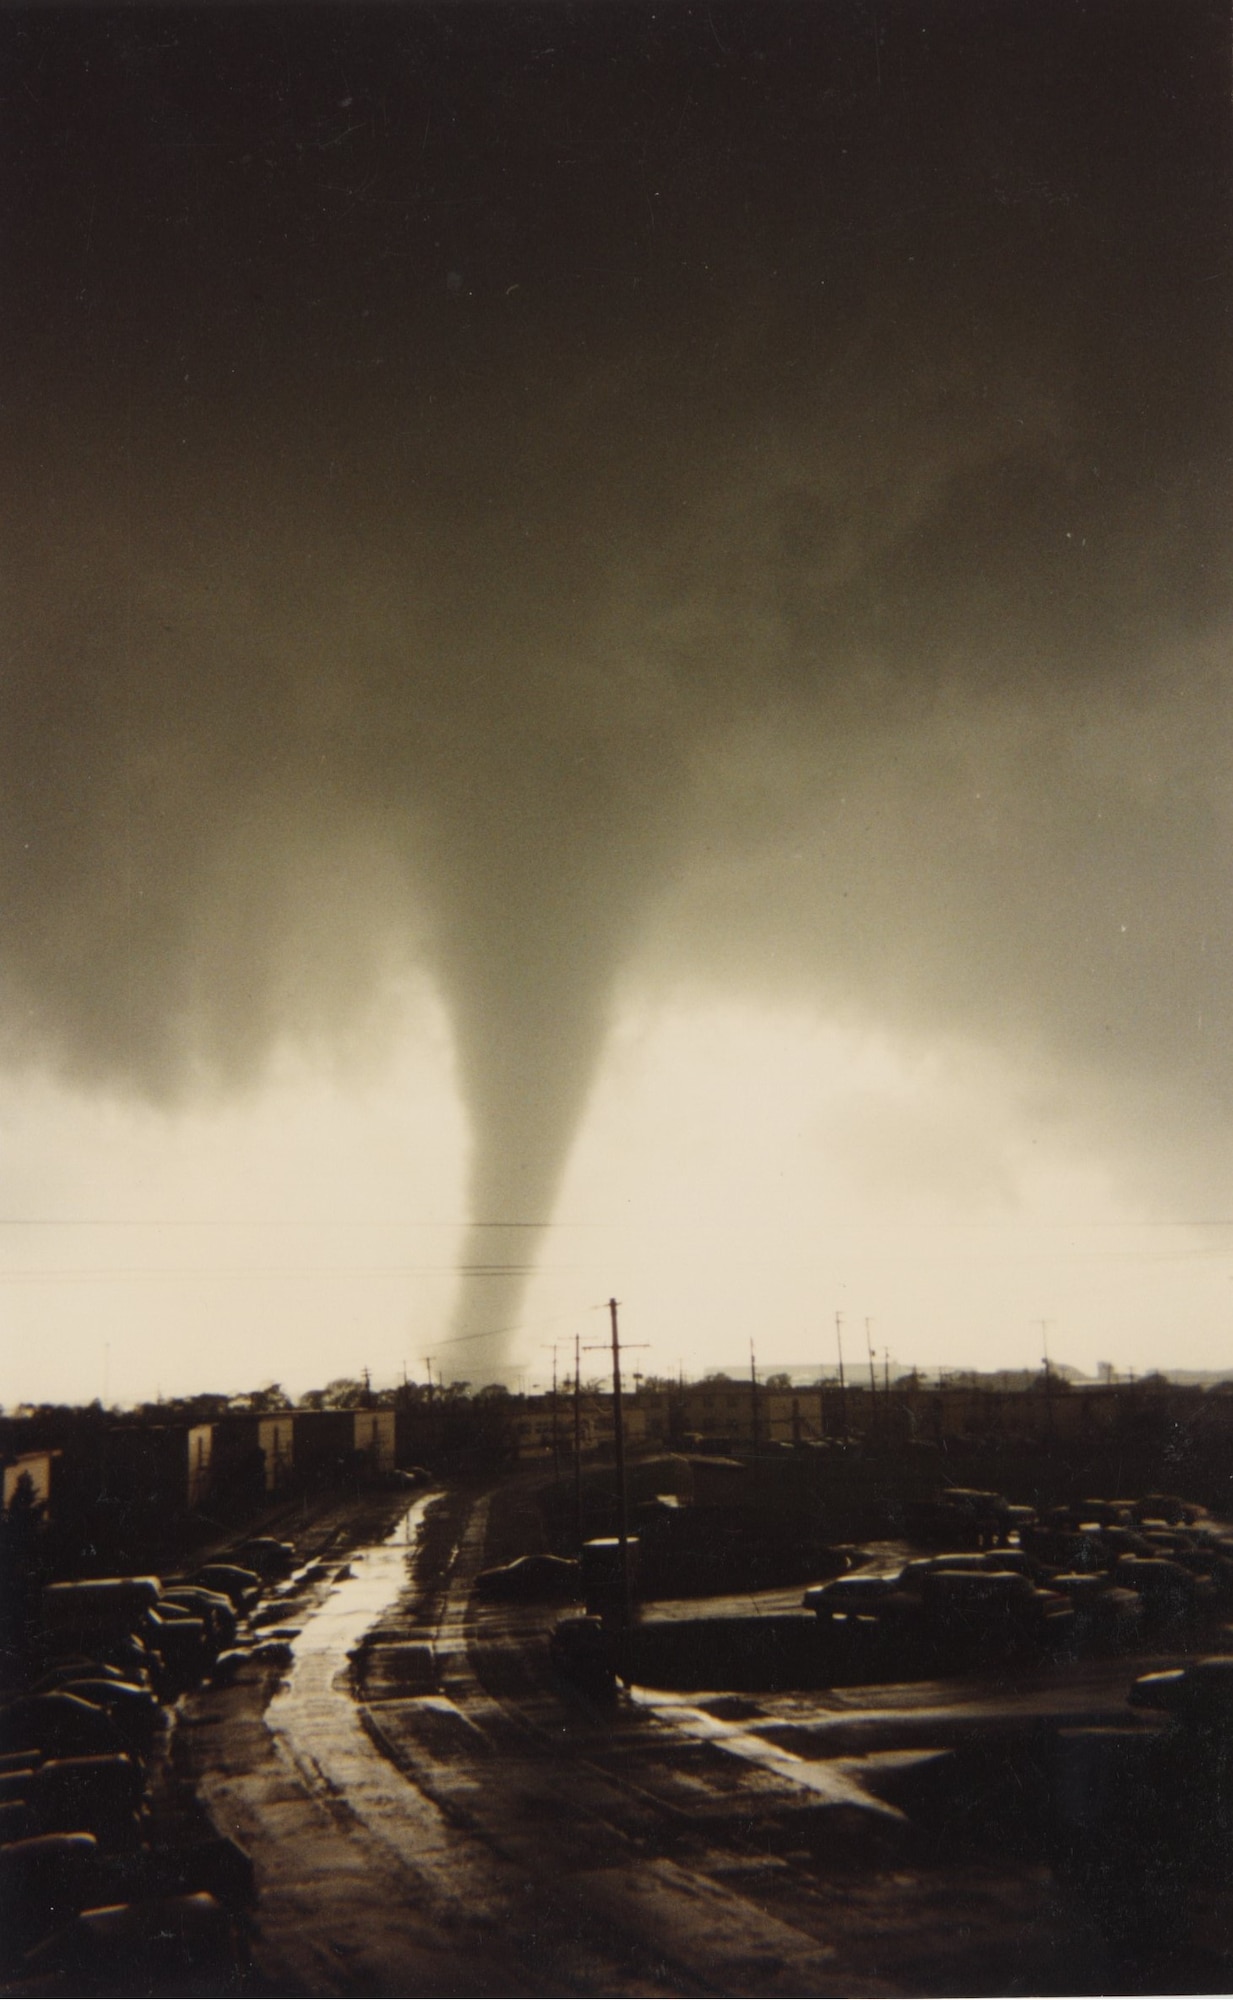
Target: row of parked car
1094	1575
91	1900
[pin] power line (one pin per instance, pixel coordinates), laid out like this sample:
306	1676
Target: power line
498	1332
69	1272
722	1221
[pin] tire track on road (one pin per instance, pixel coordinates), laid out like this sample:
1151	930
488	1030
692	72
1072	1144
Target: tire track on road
517	1773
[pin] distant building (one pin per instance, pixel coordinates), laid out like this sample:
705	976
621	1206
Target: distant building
738	1411
276	1442
35	1466
373	1435
538	1428
200	1470
328	1443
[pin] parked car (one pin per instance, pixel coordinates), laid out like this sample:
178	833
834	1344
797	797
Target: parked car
851	1596
534	1579
242	1586
961	1517
182	1644
75	1667
1171	1595
1124	1542
1107	1615
58	1725
173	1944
995	1611
1018	1518
44	1880
1200	1693
97	1608
1068	1548
99	1795
217	1611
1105	1513
982	1561
134	1710
1167	1507
269	1558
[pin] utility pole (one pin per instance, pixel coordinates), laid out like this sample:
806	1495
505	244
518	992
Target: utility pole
753	1396
556	1443
556	1438
428	1367
843	1387
873	1379
577	1440
618	1439
1044	1325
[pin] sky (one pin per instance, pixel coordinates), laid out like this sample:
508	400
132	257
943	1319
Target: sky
617	684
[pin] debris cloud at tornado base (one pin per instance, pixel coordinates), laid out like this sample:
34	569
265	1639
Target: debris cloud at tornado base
531	494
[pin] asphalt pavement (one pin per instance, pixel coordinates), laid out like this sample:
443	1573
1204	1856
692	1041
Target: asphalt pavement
430	1811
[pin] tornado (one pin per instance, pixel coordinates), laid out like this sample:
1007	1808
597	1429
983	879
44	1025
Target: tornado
530	493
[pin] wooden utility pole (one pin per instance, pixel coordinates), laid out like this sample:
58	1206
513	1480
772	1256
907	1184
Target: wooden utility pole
577	1440
753	1396
843	1387
618	1439
1044	1326
556	1442
873	1379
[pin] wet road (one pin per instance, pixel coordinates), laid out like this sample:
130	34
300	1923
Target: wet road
429	1811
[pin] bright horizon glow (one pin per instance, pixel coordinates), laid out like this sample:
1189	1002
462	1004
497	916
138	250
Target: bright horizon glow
302	1232
760	1171
741	1173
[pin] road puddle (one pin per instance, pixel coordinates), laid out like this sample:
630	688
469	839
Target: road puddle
375	1577
313	1717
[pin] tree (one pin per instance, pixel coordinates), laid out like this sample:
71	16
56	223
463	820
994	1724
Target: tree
345	1392
780	1381
272	1396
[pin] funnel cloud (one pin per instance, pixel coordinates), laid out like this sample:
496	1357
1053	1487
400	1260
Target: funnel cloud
543	493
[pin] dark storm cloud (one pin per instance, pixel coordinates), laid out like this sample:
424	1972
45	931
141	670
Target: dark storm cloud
469	463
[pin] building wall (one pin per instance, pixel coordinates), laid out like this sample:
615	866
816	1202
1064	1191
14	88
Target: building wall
321	1436
730	1409
532	1420
276	1439
200	1468
373	1434
36	1466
